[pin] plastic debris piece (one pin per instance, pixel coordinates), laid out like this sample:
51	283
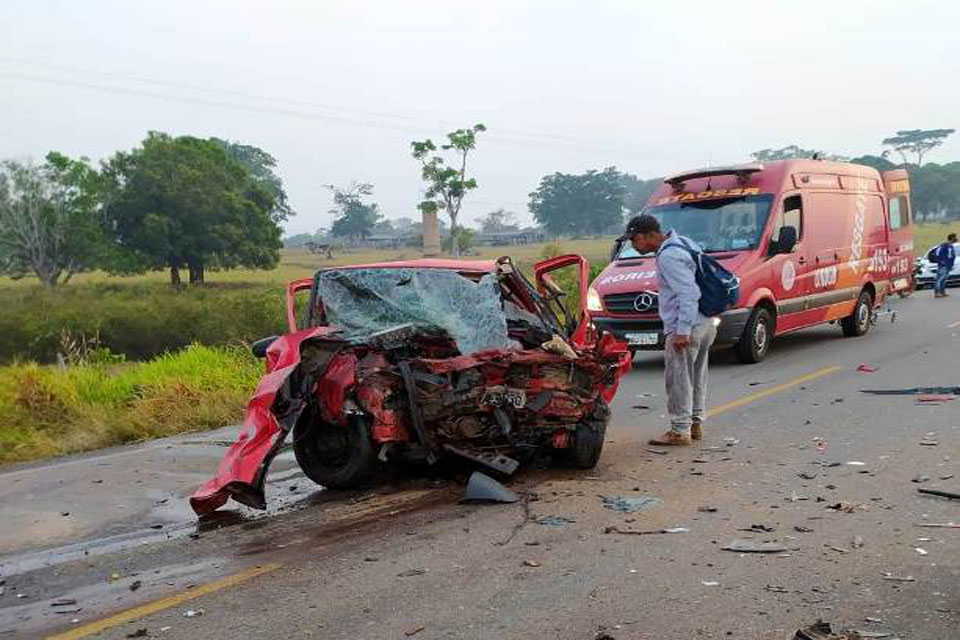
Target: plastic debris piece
531	563
925	398
139	633
821	630
483	488
776	589
136	584
921	551
409	573
631	504
710	583
192	613
807	475
646	532
866	368
801	529
857	542
892	578
63	602
939	525
554	521
731	441
749	546
856	463
942	494
414	631
707	509
659	452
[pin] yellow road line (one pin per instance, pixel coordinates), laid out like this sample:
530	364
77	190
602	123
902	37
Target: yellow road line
771	391
953	325
163	603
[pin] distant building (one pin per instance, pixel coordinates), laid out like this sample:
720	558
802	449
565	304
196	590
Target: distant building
530	235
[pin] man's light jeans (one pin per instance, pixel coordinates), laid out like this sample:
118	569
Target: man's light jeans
686	375
940	283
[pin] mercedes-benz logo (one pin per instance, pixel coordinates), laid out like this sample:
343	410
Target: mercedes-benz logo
643	302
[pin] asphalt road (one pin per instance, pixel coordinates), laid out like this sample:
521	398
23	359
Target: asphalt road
828	474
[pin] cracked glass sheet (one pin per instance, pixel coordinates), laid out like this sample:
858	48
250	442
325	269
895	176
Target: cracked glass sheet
366	301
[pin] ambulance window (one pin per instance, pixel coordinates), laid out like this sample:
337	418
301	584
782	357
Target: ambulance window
898	213
791	215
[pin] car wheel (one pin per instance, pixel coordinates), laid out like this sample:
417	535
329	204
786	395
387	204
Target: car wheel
755	341
858	322
586	441
334	456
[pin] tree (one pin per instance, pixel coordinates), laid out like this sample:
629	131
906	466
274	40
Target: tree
498	221
568	204
793	151
353	218
49	218
262	168
186	201
637	192
935	189
918	141
447	184
880	163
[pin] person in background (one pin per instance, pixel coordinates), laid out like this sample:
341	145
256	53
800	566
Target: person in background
689	334
946	256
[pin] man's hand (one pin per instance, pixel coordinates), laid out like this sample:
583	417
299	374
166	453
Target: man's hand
681	342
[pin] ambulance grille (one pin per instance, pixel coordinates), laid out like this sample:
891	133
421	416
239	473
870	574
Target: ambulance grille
636	302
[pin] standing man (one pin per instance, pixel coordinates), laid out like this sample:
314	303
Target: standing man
946	255
689	333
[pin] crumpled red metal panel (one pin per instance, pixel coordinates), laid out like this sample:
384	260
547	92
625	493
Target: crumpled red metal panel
336	383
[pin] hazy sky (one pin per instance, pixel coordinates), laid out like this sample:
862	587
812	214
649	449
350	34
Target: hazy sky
337	90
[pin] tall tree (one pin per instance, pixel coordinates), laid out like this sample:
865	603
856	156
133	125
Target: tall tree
591	202
186	201
353	218
447	184
49	218
498	221
918	141
880	163
262	167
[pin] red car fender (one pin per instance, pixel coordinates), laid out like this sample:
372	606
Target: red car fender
243	469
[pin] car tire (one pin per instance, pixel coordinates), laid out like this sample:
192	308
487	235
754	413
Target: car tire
335	456
586	441
755	341
858	322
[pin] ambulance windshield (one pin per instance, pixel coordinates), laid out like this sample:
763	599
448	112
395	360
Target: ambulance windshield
721	224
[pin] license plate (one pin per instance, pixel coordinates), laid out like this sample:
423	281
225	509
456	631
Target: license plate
643	339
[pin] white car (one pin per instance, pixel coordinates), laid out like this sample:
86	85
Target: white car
927	271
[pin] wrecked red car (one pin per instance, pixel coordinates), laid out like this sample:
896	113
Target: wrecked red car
424	360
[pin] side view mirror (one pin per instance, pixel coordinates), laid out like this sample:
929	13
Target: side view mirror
259	348
785	242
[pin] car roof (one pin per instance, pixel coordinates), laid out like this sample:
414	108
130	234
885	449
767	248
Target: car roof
462	266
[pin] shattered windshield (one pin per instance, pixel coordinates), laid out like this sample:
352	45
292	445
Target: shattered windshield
363	302
724	224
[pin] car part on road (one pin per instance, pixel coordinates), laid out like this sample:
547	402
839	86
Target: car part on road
554	521
939	492
821	630
749	546
483	488
630	504
334	456
914	391
647	532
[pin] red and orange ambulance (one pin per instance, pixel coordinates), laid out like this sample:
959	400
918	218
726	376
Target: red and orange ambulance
811	242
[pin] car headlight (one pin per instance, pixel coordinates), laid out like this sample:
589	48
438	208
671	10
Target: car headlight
593	300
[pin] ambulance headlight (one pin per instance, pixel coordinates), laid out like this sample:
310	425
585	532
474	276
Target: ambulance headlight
593	300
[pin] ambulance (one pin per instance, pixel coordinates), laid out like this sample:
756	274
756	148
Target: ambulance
811	241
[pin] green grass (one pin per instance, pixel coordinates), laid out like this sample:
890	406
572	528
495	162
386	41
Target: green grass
49	410
927	235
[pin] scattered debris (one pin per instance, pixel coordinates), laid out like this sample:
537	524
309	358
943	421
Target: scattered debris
554	521
833	548
807	475
873	620
136	584
710	583
856	463
946	476
731	441
409	573
939	525
921	551
846	507
776	589
872	634
760	382
531	563
413	632
942	494
758	528
821	630
707	509
749	546
630	504
857	542
63	602
802	529
484	489
647	532
931	398
893	578
914	391
139	633
920	479
927	442
193	613
866	368
659	452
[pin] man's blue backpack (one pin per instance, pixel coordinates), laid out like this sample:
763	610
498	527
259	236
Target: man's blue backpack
719	289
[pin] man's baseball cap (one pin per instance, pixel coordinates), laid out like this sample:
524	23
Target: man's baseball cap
644	223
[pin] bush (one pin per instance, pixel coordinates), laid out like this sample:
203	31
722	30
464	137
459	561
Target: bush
136	320
49	410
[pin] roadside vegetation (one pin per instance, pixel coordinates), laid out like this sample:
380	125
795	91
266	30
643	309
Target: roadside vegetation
48	410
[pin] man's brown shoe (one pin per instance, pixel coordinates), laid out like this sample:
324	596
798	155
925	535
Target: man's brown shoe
696	429
672	439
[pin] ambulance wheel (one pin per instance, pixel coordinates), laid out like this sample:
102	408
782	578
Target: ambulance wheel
334	456
755	341
858	322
